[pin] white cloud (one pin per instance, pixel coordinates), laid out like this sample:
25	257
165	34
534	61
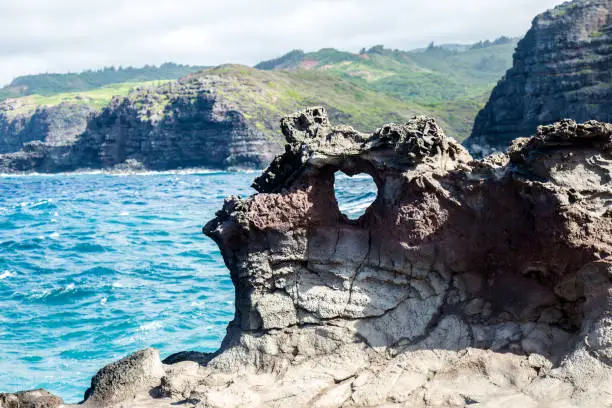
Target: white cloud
71	35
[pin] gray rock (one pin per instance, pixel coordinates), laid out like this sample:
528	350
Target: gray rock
123	380
455	282
30	399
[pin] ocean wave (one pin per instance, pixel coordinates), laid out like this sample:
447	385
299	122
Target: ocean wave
38	203
123	173
150	326
6	274
57	294
87	247
357	208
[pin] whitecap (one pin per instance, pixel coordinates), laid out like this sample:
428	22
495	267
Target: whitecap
6	274
33	204
355	208
124	213
124	341
54	235
150	326
69	287
39	294
122	173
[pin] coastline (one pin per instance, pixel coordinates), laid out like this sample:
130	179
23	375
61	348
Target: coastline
419	302
111	172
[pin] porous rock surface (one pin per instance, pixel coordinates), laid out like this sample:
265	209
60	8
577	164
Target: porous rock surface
466	283
562	69
483	283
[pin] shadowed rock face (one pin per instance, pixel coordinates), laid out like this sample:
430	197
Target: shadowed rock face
561	70
466	282
56	126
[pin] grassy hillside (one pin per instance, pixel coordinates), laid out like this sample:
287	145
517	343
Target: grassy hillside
365	90
428	76
452	83
53	84
265	96
95	98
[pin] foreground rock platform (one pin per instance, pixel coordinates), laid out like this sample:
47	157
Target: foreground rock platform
466	283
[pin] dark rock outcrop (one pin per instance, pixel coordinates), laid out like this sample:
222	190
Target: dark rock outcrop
562	70
466	282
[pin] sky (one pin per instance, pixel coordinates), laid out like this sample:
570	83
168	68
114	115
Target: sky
72	35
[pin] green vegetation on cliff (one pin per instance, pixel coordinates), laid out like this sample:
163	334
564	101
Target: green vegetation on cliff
229	115
53	84
95	98
452	82
263	97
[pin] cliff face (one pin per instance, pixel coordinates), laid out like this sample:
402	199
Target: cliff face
56	126
184	125
219	118
466	282
562	69
177	125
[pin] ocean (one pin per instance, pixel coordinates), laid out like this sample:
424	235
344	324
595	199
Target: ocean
96	266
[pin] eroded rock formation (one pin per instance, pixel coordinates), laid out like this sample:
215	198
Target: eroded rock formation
466	283
562	69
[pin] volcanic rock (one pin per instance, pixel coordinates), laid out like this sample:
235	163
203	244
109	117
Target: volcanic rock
465	282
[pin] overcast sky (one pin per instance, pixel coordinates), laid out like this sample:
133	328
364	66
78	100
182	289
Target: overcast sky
72	35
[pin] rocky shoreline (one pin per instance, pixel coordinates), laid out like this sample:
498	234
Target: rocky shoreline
467	282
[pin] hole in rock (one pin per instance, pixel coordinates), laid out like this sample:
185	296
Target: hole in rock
354	194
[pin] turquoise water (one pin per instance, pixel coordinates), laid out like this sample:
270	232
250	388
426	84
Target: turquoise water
94	267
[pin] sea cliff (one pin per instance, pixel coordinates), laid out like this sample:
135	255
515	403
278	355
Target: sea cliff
561	70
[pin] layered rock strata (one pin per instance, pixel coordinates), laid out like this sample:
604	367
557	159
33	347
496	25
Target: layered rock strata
562	69
56	126
177	125
466	283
